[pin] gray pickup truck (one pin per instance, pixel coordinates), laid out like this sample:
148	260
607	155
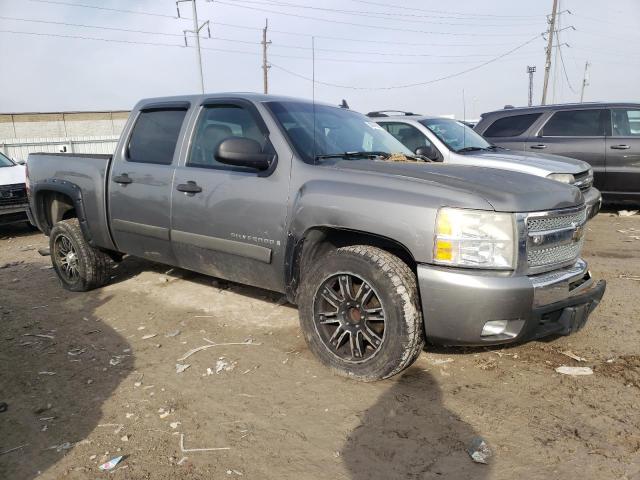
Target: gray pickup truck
380	250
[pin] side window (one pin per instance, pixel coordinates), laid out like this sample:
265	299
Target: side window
625	123
408	135
576	123
216	124
511	126
155	136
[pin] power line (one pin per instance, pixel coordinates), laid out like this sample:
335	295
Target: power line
95	7
371	14
297	47
404	7
408	85
376	27
362	40
223	50
564	69
49	22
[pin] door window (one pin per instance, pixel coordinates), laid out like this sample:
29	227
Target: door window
408	135
216	124
576	123
625	123
511	126
155	136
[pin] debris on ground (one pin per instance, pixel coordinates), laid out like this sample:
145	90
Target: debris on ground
439	361
182	460
105	467
629	277
211	344
181	367
479	450
574	371
627	213
151	335
175	333
14	449
186	450
61	447
3	407
570	354
46	373
222	365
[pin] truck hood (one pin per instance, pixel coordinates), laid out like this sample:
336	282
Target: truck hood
12	175
504	190
527	162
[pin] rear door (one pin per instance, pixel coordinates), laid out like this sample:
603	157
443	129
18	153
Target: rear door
623	153
232	224
577	134
508	132
140	184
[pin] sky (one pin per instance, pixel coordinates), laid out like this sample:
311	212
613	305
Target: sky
364	51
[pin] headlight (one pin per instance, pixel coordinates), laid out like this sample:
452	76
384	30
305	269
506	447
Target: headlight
474	238
562	177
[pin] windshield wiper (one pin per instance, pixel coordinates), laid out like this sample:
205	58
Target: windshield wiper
469	149
353	155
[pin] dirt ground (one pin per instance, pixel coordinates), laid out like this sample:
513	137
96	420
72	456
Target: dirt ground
85	382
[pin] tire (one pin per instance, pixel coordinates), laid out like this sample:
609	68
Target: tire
382	291
68	247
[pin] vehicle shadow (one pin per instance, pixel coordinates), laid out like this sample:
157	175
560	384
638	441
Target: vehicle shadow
56	369
409	434
14	230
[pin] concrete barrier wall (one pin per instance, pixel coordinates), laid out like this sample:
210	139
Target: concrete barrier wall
61	125
20	148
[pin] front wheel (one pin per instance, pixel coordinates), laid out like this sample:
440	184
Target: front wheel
80	267
360	314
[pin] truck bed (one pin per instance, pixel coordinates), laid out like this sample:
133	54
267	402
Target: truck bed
87	172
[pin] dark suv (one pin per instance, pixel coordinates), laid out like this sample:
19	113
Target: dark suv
605	135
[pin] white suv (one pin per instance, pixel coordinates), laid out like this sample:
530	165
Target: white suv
451	141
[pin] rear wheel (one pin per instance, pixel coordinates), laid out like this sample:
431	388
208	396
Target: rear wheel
80	267
360	314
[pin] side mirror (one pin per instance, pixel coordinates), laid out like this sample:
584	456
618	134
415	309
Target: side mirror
243	152
428	152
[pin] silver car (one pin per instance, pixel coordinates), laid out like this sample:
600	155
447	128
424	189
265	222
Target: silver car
450	141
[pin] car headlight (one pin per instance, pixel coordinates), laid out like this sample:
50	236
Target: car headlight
562	177
474	238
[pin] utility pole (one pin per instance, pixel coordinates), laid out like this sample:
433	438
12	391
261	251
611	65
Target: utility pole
585	79
265	64
196	31
547	65
531	71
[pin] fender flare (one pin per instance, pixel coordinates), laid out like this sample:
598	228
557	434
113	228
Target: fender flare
63	187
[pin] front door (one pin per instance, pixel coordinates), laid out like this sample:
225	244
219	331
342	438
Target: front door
576	134
229	221
140	185
623	153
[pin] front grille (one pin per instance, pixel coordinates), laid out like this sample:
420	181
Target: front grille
554	255
15	194
554	238
584	181
544	223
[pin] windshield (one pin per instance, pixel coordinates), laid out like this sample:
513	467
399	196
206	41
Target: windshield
337	131
455	135
5	162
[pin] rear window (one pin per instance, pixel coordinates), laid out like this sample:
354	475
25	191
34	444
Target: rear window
511	126
155	136
576	123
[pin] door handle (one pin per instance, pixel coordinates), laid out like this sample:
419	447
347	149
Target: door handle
122	179
539	146
189	187
620	147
